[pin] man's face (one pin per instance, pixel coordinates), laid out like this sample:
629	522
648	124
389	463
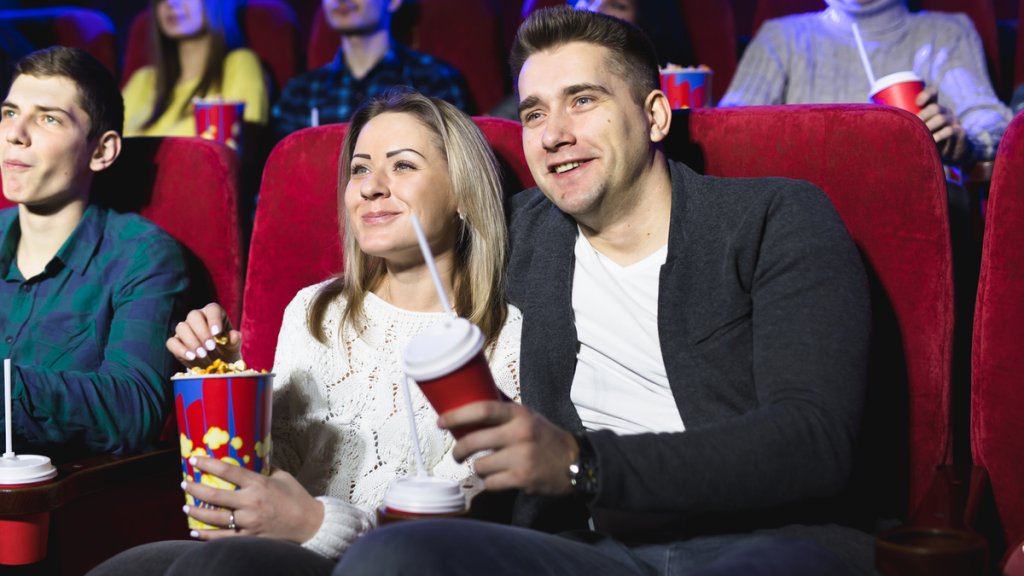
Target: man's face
357	17
44	148
586	140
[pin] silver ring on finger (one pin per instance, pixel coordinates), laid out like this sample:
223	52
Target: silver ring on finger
231	522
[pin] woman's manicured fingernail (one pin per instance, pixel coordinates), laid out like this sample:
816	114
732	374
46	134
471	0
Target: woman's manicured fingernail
193	461
183	484
194	534
210	344
190	355
201	352
214	329
185	508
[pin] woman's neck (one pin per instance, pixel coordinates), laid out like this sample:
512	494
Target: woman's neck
874	17
411	288
192	55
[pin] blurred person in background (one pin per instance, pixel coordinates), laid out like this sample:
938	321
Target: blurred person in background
368	62
197	53
1017	103
813	59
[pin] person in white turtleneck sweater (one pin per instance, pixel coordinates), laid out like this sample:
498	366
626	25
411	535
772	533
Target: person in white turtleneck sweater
813	59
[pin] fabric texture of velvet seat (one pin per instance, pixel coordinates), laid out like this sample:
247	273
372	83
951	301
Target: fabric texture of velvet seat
882	172
296	240
997	394
189	187
270	29
466	34
83	28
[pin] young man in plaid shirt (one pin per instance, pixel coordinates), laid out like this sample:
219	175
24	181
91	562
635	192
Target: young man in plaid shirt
368	62
87	295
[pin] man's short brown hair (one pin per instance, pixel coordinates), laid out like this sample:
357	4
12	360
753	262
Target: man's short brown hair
632	55
98	93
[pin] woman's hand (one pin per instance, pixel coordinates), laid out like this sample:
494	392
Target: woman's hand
195	341
274	506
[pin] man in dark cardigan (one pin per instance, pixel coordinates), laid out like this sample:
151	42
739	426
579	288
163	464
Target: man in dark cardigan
694	349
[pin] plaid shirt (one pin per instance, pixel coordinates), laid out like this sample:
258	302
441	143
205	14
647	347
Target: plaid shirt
86	337
336	94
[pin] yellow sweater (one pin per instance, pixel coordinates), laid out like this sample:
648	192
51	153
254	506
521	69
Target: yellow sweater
243	80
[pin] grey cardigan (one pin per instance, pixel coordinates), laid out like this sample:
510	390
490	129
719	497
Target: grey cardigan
764	322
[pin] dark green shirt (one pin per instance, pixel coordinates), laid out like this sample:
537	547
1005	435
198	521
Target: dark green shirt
86	337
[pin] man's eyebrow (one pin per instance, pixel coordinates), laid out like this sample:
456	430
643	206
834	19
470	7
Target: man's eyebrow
9	104
53	109
399	151
577	88
528	103
367	156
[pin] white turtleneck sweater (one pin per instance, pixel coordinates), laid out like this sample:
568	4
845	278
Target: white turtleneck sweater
339	422
812	59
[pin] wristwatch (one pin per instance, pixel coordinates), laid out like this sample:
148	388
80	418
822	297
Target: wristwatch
583	472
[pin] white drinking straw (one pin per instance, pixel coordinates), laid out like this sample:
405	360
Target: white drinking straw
314	117
429	257
864	56
7	409
421	470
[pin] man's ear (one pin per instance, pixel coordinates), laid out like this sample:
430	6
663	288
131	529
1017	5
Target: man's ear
394	5
659	114
108	148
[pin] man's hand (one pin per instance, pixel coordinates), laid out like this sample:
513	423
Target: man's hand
204	336
530	453
274	506
954	148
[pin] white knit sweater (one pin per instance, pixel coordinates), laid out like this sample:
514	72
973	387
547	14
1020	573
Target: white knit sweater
339	421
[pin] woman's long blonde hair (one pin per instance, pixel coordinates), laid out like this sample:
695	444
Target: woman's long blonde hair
482	245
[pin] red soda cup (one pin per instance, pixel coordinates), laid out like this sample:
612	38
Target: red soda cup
899	90
421	497
448	364
687	87
220	120
23	537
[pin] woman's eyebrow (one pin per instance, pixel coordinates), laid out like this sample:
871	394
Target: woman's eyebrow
393	152
367	156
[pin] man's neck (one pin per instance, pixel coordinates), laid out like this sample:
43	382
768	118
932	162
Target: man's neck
363	52
192	55
43	233
638	225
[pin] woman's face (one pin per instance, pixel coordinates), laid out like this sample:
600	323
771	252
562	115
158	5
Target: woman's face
621	9
181	18
398	170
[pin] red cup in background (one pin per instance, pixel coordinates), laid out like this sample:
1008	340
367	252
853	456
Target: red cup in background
448	364
23	538
687	87
227	417
220	120
899	90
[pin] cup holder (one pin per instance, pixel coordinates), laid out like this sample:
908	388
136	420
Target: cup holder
914	551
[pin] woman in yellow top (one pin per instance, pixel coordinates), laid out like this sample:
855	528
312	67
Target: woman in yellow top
197	54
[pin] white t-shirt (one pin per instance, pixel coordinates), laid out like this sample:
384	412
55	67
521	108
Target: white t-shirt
620	382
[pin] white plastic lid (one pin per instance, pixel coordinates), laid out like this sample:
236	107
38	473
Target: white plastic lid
891	80
425	495
25	469
442	349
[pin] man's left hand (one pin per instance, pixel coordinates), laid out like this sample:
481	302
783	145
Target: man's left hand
949	135
530	453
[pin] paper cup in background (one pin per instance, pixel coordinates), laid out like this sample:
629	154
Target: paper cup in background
899	90
687	87
227	417
220	120
448	364
23	538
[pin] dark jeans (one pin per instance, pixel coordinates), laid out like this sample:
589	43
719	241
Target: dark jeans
241	556
467	547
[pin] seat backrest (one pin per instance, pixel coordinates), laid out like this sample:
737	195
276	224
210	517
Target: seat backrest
296	239
89	30
997	363
883	174
270	31
463	33
198	206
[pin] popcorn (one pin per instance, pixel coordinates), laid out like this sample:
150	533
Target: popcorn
220	367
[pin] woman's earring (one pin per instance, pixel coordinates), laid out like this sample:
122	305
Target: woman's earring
462	216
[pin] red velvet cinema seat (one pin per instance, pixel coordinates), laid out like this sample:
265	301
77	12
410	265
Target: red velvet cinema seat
463	33
270	31
295	239
89	30
190	188
997	388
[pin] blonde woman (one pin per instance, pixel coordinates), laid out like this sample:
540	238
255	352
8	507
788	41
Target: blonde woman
340	430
